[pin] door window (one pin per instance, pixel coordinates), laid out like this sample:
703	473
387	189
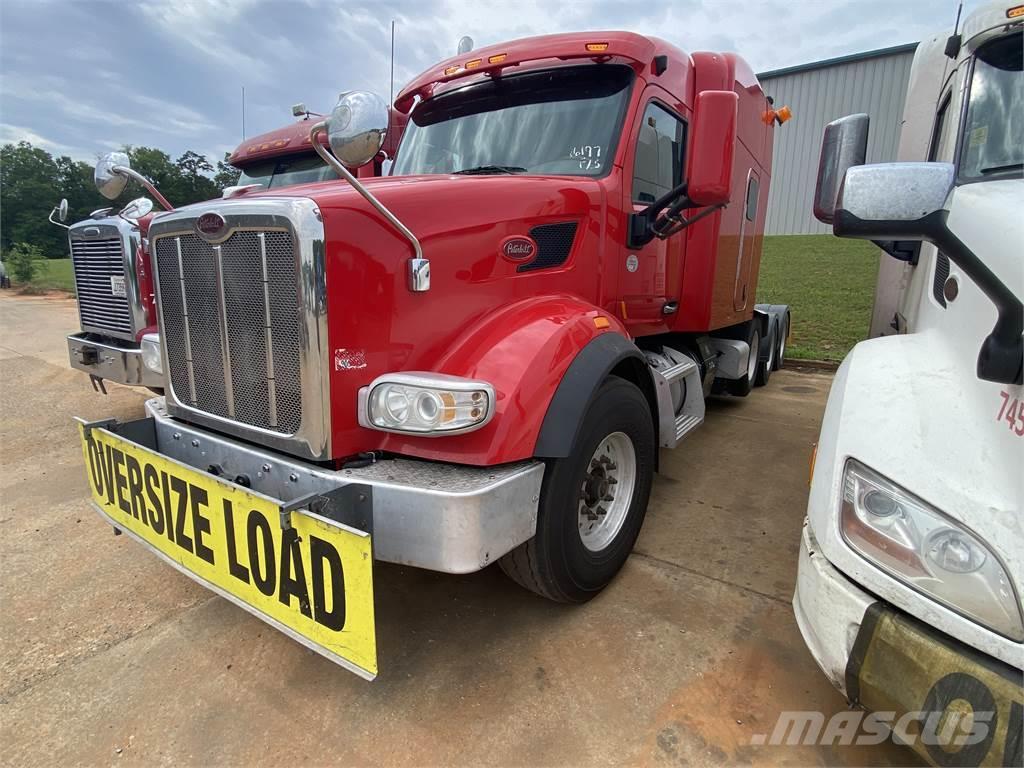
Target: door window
660	149
751	211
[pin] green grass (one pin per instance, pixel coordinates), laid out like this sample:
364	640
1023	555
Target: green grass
55	275
830	285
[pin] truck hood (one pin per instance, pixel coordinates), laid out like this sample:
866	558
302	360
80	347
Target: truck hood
437	203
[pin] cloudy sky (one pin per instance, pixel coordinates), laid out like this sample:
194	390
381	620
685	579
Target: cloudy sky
80	77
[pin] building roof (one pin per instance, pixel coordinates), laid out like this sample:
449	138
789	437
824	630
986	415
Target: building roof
851	57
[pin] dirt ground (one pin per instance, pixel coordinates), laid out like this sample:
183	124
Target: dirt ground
108	656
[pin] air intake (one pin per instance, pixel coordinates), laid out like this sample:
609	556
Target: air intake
554	243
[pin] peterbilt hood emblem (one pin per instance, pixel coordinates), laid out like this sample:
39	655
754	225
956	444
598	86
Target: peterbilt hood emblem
518	248
211	226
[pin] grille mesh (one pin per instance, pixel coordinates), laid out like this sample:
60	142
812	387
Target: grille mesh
941	275
95	262
248	326
554	241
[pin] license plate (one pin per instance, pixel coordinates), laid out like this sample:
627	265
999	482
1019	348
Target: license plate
313	581
960	707
117	286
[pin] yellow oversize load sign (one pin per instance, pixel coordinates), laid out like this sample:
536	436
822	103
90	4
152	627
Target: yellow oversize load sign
313	581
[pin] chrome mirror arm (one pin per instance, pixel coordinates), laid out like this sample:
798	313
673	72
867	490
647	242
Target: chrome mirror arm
419	267
59	224
136	176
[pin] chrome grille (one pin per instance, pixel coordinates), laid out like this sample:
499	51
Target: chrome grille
232	326
95	262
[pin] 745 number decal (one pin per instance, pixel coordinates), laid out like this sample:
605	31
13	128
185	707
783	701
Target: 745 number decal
1012	413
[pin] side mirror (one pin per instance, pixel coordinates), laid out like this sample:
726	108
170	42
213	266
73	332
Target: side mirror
108	178
61	212
137	208
709	180
112	173
845	145
356	127
910	201
893	200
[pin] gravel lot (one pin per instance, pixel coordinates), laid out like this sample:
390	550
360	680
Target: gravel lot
110	657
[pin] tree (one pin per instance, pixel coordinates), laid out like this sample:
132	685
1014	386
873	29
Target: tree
23	261
227	175
195	184
28	192
32	182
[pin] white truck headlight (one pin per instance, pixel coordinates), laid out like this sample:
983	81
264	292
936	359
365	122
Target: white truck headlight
425	404
915	543
151	357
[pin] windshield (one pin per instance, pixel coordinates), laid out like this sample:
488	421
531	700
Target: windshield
993	142
559	121
286	171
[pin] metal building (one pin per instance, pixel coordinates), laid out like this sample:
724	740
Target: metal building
874	82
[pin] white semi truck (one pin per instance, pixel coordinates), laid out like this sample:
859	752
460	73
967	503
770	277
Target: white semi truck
912	559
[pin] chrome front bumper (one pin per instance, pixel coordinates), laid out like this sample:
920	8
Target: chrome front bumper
107	359
442	517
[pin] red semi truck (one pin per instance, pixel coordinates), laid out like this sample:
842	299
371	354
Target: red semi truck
473	360
118	340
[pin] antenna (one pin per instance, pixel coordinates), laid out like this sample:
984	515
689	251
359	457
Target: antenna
953	42
391	99
243	113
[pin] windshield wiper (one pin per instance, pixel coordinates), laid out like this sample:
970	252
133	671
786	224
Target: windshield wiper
1007	167
483	170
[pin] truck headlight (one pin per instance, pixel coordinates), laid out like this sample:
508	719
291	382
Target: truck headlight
151	357
425	403
915	543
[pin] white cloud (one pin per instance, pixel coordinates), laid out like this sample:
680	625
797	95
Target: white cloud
12	134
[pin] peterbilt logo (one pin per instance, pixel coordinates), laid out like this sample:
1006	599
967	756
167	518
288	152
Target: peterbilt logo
210	226
518	248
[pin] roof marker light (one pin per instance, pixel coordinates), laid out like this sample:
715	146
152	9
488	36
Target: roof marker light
497	58
597	47
474	63
1016	12
451	70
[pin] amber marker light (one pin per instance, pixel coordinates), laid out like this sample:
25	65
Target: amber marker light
497	58
783	114
602	322
1016	12
597	47
451	70
474	63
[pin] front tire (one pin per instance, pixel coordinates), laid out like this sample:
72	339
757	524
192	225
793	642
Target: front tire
592	502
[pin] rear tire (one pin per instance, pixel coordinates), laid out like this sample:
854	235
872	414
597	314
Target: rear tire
766	357
592	502
742	387
780	341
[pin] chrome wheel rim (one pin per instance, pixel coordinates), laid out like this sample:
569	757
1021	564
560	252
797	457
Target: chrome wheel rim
771	355
606	491
755	352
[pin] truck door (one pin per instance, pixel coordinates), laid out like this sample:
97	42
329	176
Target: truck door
650	277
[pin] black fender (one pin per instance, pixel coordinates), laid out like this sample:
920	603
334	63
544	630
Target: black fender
592	365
